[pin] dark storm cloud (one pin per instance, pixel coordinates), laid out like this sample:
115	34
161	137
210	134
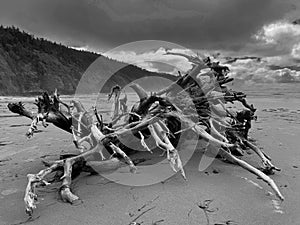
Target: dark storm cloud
103	24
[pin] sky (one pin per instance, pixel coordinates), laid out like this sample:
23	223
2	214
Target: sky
260	28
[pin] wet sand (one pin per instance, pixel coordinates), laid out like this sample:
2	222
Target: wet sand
237	195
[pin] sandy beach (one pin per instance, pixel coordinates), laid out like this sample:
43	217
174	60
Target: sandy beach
238	197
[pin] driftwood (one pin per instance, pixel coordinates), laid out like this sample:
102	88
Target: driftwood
199	107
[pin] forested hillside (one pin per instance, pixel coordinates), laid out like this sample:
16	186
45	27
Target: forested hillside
30	65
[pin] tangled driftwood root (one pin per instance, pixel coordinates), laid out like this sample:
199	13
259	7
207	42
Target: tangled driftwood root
190	104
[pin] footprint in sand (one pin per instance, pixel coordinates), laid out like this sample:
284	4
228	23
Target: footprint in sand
276	110
3	143
5	159
269	110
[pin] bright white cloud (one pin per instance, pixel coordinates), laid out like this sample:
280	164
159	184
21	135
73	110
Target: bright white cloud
146	60
296	51
80	48
259	72
85	48
283	36
279	32
244	70
279	60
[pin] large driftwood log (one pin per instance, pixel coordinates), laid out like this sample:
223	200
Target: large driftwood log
196	103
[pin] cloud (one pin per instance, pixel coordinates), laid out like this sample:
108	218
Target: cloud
282	36
247	70
102	25
252	71
279	33
154	60
296	51
154	10
213	26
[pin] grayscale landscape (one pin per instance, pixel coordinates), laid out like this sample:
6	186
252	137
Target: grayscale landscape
149	112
